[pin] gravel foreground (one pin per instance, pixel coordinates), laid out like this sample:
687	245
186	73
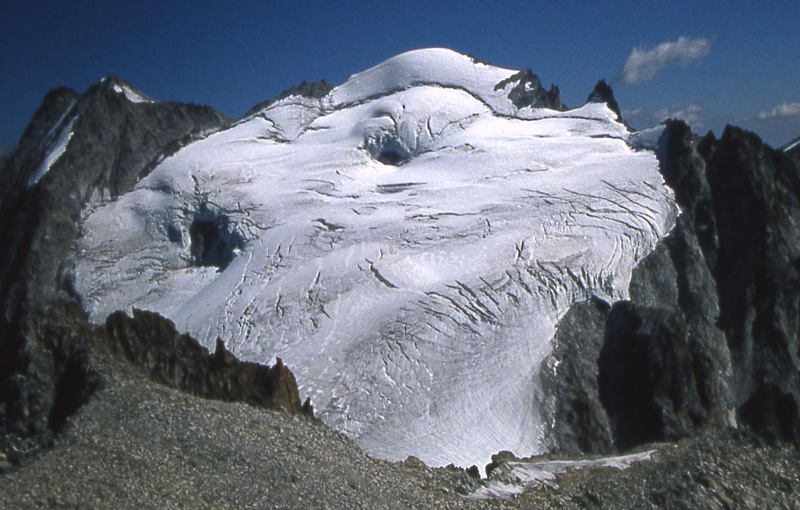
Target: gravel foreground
138	444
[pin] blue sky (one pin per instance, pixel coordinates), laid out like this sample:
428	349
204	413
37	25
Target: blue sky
709	62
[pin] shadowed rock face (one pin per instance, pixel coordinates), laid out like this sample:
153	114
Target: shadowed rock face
651	369
652	375
582	424
45	376
710	336
755	194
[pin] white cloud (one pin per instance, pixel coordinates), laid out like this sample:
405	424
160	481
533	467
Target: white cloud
643	64
782	110
692	114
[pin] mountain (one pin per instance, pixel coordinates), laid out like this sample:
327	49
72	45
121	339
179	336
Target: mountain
421	225
450	262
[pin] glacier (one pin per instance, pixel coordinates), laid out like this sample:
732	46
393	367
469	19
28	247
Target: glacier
407	244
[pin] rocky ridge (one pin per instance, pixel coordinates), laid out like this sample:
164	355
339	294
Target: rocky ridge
152	343
528	91
314	90
710	336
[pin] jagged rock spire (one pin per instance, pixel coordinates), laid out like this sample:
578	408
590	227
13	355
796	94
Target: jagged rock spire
528	91
602	93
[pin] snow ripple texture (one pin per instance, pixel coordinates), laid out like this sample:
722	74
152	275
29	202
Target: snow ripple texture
409	244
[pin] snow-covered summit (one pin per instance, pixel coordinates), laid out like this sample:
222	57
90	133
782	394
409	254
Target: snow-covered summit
504	92
406	243
433	66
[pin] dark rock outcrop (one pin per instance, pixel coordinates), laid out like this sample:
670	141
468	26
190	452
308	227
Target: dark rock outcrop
528	91
665	369
711	336
650	369
43	377
152	343
315	89
61	352
656	380
755	194
602	93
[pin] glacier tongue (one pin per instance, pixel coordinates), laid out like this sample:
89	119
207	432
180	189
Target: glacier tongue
408	250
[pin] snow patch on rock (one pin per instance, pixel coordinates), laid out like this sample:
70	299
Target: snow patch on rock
57	140
131	95
514	478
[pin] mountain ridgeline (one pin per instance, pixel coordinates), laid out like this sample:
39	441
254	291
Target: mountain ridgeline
45	368
710	337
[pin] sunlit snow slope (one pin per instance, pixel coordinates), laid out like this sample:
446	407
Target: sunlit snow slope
407	244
